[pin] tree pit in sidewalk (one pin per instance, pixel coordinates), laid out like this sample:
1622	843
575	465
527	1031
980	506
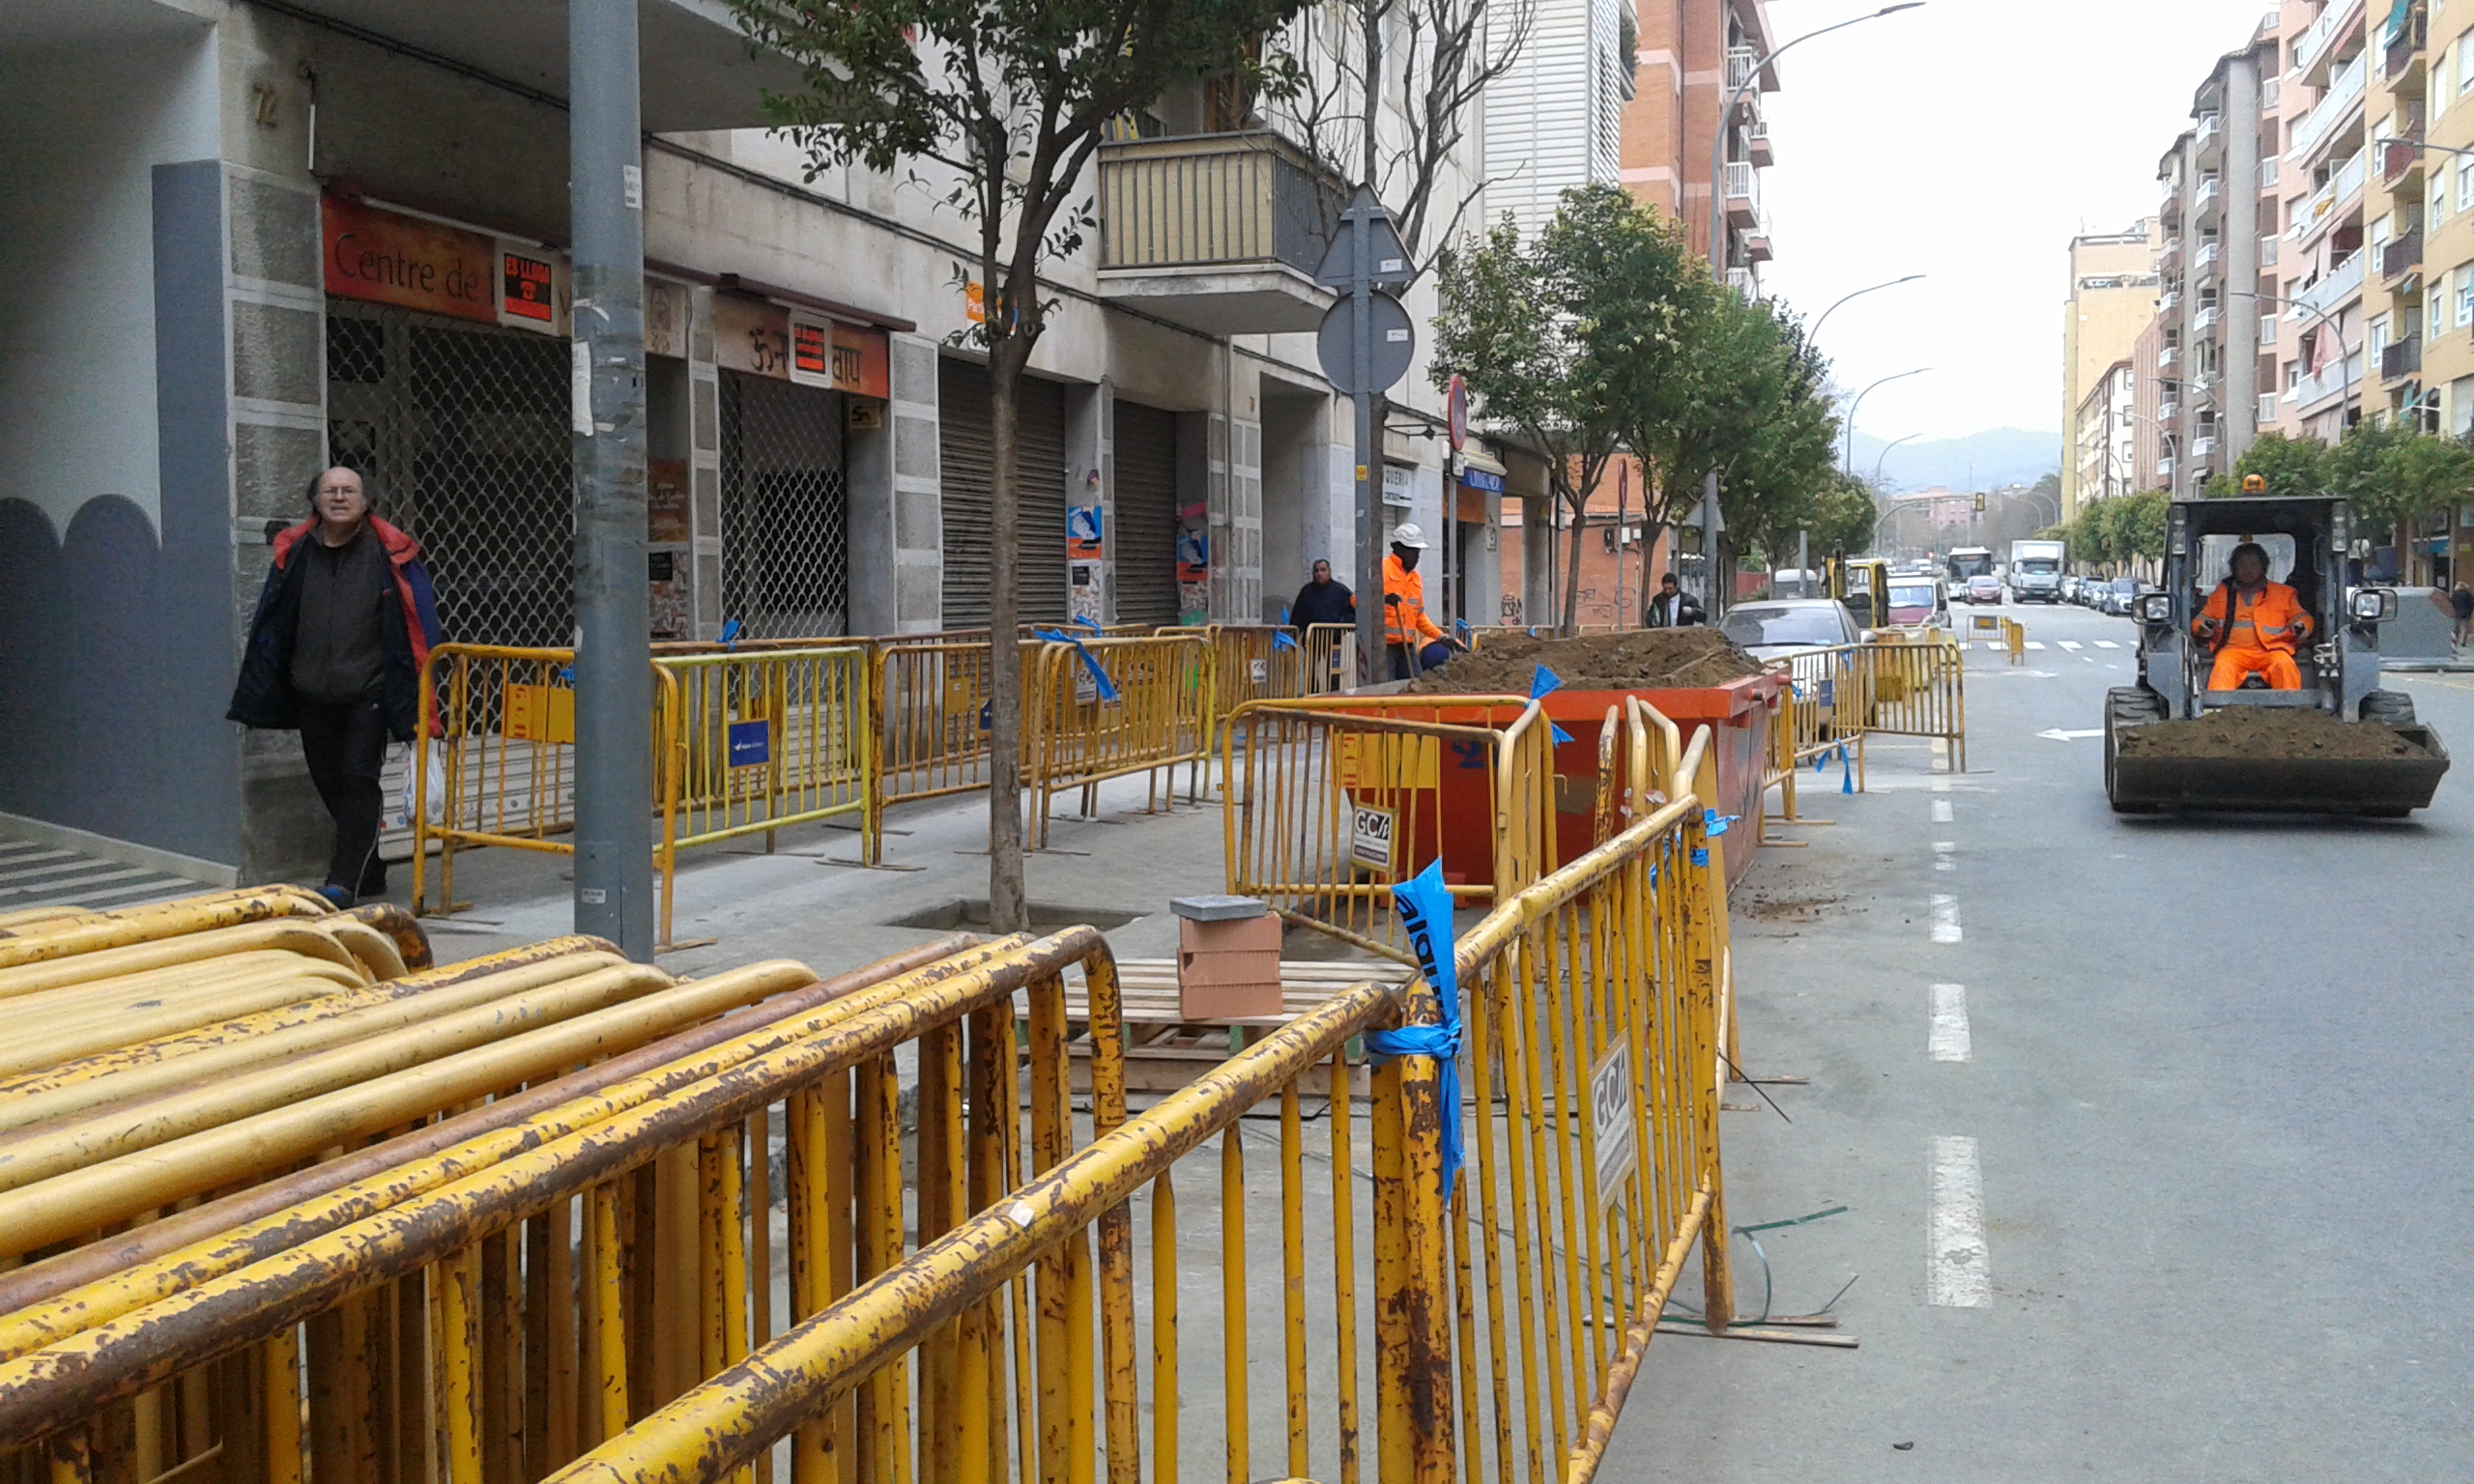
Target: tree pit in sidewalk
1639	660
2268	732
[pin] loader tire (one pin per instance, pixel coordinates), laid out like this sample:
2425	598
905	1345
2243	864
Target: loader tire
2393	707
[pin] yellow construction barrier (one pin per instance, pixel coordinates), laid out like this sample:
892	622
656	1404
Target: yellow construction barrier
483	1300
2014	634
744	742
934	698
1331	663
1112	707
1495	1316
1907	684
760	741
1919	690
1327	804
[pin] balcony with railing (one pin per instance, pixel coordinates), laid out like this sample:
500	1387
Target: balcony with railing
2210	254
2210	139
2313	54
1757	144
2165	467
1743	193
2401	43
2202	448
2339	286
2402	359
1756	241
2169	206
1220	232
2341	103
2205	320
1743	64
2401	257
2401	165
2168	302
1745	285
2208	205
2329	205
2169	412
2336	381
2169	357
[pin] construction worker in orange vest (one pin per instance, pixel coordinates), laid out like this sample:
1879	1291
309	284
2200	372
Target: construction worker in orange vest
2253	626
1405	607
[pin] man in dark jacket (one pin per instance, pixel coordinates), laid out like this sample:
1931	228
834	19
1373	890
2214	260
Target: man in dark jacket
342	628
1674	607
1322	601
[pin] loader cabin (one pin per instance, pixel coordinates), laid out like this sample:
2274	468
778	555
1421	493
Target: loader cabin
2305	538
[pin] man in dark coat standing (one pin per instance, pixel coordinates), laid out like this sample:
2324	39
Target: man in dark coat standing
342	628
1674	607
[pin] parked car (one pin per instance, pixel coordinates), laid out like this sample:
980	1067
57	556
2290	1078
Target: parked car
1777	629
2092	590
2118	594
2070	588
1983	588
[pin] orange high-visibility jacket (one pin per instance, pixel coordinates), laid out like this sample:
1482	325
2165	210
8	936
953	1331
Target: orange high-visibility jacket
2273	621
1411	589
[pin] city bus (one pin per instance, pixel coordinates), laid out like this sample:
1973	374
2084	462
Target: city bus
1967	561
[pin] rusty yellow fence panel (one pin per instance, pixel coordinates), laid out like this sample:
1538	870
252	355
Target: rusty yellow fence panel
1328	804
1918	689
1331	663
1483	1324
1111	707
486	1300
932	699
504	721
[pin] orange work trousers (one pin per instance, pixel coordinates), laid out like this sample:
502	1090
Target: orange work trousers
2234	663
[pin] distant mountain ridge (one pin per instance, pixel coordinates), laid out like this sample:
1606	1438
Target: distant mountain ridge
1979	461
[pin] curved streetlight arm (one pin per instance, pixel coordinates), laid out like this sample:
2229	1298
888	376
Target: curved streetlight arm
1849	459
1886	453
2344	367
1814	334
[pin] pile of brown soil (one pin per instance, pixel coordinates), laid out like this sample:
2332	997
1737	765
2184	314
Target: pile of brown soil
1641	659
2268	732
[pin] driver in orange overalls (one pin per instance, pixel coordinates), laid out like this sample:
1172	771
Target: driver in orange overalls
2252	625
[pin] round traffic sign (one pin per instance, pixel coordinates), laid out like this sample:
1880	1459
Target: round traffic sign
1456	413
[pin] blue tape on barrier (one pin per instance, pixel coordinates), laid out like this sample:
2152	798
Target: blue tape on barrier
1715	825
1280	640
1424	905
1544	683
1099	677
1700	856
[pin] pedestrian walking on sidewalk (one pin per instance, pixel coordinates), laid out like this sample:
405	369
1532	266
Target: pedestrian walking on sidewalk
2460	601
342	628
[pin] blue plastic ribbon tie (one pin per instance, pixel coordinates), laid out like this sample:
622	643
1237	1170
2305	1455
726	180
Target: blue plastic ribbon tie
1700	856
1281	641
1093	624
1424	905
730	634
1544	683
1847	771
1715	825
1098	677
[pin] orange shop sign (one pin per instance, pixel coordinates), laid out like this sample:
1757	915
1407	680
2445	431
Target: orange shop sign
390	259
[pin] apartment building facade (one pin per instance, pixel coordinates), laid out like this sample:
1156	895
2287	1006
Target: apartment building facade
2113	295
2216	298
2324	323
1694	54
2104	453
278	236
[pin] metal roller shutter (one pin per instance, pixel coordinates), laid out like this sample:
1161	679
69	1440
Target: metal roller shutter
1144	542
966	447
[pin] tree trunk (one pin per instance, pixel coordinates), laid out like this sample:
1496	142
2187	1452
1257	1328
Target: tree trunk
1007	905
1571	625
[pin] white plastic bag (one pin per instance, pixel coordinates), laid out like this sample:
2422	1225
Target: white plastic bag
434	805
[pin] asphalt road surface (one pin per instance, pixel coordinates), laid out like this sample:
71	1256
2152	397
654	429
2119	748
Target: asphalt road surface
2152	1134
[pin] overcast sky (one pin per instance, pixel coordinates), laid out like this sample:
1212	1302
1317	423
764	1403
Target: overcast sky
1969	141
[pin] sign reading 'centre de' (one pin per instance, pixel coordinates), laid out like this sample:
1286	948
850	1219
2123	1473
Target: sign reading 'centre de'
391	259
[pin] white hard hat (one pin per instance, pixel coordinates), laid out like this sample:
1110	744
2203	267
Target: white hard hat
1410	536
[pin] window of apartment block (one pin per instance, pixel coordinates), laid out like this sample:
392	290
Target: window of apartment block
2460	406
2464	295
2464	61
2464	184
2378	337
2436	323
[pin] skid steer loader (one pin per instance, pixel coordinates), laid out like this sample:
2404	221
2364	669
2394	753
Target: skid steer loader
2305	538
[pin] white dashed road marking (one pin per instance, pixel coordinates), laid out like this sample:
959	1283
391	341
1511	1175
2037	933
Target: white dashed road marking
2071	644
1945	919
1948	1040
1942	812
1942	851
2107	643
1956	1275
2035	643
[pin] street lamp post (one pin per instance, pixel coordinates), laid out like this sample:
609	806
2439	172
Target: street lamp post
1886	453
1848	458
1719	261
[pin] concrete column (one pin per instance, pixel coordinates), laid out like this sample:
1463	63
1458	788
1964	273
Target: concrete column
918	519
704	460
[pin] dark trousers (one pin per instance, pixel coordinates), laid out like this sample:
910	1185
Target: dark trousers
1428	658
346	743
